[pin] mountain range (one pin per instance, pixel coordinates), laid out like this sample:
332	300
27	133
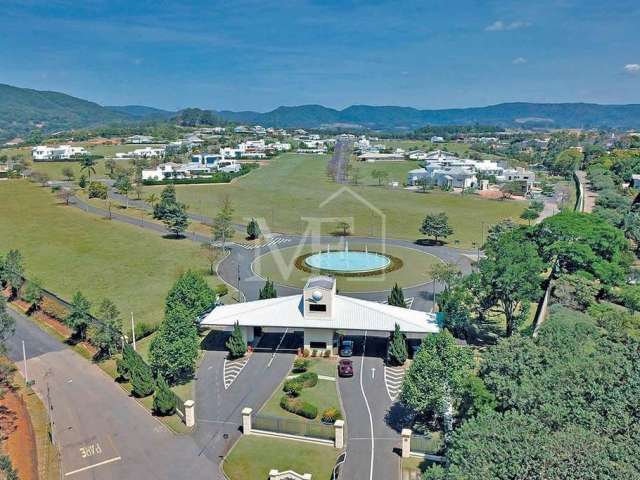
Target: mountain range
24	110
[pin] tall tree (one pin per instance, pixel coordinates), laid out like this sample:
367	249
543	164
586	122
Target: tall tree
222	227
192	292
174	350
7	324
268	291
123	186
164	401
511	276
106	334
397	347
142	383
436	225
396	298
88	166
435	381
236	344
12	271
212	253
253	230
175	219
79	316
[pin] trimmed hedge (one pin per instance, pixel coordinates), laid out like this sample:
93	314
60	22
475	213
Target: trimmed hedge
299	407
300	365
307	379
395	264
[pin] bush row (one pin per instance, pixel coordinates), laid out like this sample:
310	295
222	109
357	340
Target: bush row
299	407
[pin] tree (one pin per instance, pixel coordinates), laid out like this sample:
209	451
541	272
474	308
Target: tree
7	324
380	175
110	166
141	378
68	173
192	292
344	226
397	354
175	219
87	164
65	194
212	253
456	303
631	228
152	200
445	273
396	298
222	227
567	161
82	181
253	230
435	380
98	190
32	293
106	334
425	183
268	291
123	186
167	200
529	214
436	225
164	401
511	276
127	363
79	316
236	343
12	271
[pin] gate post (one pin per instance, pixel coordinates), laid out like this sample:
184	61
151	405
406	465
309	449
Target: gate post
339	432
246	420
406	443
189	413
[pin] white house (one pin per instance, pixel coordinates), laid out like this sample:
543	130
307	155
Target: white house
174	170
381	157
518	174
437	139
321	314
147	152
61	152
139	139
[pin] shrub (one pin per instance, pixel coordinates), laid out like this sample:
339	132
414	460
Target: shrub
306	353
292	387
236	343
314	353
54	309
221	290
331	414
327	353
298	407
307	380
142	379
300	365
144	330
98	190
164	402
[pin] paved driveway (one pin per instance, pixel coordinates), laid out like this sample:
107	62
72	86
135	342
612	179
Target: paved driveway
102	433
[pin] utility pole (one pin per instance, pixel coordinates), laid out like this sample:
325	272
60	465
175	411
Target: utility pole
51	423
133	331
433	307
238	282
24	358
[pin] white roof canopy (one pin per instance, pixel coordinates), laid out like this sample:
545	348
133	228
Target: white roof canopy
348	314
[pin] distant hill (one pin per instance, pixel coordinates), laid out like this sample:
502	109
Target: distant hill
143	113
24	110
547	115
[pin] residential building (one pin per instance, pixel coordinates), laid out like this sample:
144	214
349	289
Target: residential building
147	152
437	139
139	139
381	157
321	314
635	181
61	152
174	170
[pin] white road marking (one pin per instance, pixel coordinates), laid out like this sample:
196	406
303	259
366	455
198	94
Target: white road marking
366	402
231	370
111	460
393	378
408	302
373	373
276	351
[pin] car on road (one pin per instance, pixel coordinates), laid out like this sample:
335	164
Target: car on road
345	368
346	349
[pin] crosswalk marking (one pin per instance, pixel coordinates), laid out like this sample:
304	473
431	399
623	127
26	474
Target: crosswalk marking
273	241
407	301
393	377
231	369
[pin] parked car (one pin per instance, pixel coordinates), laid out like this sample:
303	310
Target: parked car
346	349
345	368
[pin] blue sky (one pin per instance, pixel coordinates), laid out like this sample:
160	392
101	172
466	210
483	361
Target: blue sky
247	54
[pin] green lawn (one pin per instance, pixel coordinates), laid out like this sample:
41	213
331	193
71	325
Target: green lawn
70	250
323	395
415	269
54	169
253	456
292	187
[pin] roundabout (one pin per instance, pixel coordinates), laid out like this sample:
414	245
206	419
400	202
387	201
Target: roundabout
357	268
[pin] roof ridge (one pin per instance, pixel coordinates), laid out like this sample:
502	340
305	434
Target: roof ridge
365	304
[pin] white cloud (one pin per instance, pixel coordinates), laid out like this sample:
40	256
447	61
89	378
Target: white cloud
633	68
500	26
519	61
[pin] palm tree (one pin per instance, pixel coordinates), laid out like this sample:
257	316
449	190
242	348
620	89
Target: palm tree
152	199
88	164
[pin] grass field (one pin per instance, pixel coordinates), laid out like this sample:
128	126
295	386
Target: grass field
294	187
414	271
252	458
69	250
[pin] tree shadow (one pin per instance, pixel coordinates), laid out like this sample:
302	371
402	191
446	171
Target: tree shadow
398	417
214	341
429	242
173	236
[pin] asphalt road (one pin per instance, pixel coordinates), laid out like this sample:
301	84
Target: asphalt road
102	433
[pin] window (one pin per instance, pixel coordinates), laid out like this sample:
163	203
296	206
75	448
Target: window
318	345
314	307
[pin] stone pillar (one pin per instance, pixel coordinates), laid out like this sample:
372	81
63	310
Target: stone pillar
246	420
190	413
339	431
406	443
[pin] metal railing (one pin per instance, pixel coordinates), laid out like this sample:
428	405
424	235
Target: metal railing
426	444
291	426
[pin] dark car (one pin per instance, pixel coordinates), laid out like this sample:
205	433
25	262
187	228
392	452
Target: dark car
346	349
345	368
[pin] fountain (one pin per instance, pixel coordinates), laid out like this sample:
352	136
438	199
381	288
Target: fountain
346	261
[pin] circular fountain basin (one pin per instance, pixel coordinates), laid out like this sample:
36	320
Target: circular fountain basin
348	262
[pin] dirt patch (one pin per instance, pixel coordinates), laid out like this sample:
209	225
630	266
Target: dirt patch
20	443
